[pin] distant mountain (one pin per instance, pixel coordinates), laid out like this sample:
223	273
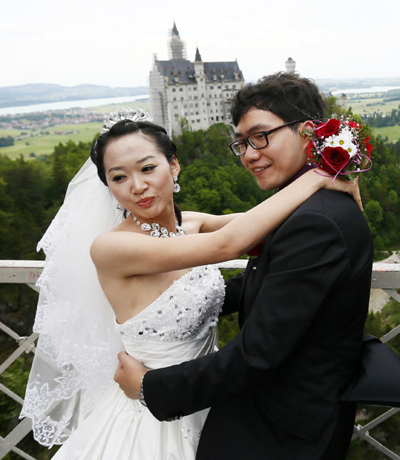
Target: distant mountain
39	93
326	84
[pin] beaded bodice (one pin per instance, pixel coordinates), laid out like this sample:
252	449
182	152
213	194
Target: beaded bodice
185	311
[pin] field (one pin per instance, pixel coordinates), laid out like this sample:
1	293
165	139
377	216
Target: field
371	105
392	132
374	103
43	144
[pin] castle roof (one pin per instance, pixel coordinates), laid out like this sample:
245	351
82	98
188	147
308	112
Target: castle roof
184	70
175	31
198	57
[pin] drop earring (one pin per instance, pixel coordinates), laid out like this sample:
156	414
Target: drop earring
120	207
177	187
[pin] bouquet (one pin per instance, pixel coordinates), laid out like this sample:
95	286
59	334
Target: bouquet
340	147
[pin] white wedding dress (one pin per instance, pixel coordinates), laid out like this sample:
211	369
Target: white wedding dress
176	327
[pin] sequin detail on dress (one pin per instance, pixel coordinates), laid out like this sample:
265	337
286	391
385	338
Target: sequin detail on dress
185	311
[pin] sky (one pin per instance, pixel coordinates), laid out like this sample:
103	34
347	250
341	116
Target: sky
112	43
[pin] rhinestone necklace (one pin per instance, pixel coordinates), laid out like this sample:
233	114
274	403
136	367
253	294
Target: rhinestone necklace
156	231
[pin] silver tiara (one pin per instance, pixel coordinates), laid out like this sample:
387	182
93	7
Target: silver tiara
137	114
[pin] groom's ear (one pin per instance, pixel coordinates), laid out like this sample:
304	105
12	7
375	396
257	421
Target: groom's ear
302	127
306	125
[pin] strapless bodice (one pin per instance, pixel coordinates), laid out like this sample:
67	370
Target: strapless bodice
180	324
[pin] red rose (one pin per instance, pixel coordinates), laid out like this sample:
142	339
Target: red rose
334	159
354	124
330	128
369	148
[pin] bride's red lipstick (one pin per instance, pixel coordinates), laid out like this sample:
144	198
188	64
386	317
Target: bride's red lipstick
145	202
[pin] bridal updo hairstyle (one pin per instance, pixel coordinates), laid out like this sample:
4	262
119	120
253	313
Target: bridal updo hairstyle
286	95
154	133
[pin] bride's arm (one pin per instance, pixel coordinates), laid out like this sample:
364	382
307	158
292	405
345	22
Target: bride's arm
200	222
123	254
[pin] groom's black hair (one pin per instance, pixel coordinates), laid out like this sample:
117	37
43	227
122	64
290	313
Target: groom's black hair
154	133
286	95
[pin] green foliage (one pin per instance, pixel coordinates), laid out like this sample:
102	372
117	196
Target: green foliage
332	108
6	141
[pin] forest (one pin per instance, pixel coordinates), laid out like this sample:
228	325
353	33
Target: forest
212	180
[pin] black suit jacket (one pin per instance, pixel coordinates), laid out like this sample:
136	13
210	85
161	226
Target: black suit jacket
274	391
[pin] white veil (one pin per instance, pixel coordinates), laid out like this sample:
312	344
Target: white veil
76	355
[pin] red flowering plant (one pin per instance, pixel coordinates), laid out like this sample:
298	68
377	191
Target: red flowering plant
340	147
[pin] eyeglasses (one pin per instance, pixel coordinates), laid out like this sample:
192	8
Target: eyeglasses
257	140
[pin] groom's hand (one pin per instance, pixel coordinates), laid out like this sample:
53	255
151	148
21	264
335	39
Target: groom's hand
129	374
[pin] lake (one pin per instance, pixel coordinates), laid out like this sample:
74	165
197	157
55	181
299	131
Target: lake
63	105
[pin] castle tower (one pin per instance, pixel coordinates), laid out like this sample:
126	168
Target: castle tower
196	93
343	101
198	64
290	65
176	46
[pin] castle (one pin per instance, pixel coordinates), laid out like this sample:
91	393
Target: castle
201	92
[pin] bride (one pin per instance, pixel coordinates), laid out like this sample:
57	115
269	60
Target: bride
118	276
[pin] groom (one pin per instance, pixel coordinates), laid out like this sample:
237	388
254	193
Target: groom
274	390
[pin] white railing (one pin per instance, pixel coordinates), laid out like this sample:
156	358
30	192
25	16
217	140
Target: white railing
384	276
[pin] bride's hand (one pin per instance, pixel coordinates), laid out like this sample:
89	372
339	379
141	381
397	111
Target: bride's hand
340	185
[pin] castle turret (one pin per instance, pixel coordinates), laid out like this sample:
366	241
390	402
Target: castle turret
176	46
290	65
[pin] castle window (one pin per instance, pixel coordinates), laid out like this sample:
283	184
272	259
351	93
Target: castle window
189	88
219	86
211	87
180	89
173	90
226	86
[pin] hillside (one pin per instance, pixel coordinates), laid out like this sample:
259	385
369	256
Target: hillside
38	93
